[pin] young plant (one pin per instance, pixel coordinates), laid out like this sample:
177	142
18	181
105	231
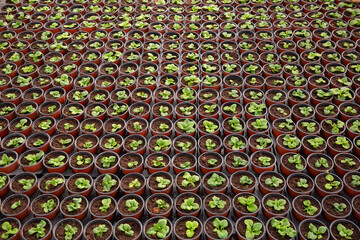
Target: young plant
189	179
316	142
296	159
126	228
8	229
48	206
162	182
291	142
236	143
215	180
252	229
191	226
159	229
249	203
216	202
316	233
344	232
39	230
100	230
273	181
331	182
283	227
162	144
310	209
220	228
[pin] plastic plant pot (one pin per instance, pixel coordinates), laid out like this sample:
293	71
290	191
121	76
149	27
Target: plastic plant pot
73	188
208	203
202	143
271	231
32	161
181	224
112	143
149	224
40	141
153	208
47	184
301	213
323	166
81	162
183	185
27	226
56	144
288	168
16	224
5	184
157	162
258	142
51	164
126	209
89	229
105	162
271	182
160	182
18	148
59	233
182	208
241	234
329	210
296	186
242	207
97	203
127	182
210	162
131	163
282	148
182	162
134	223
350	183
344	163
304	228
243	182
155	147
13	165
36	206
259	167
209	232
103	185
17	187
88	143
234	164
21	212
269	211
321	190
333	149
216	188
76	213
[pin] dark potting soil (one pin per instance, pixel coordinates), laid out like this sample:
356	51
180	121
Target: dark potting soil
256	160
225	94
217	210
270	175
292	183
238	109
180	228
61	124
126	180
152	143
209	229
207	91
243	209
203	161
131	139
321	181
328	205
273	93
56	141
183	158
348	179
124	210
181	200
291	166
215	188
328	127
36	205
100	188
346	166
91	121
73	161
215	140
14	224
95	208
354	106
7	207
53	155
145	107
313	82
60	230
90	235
34	224
130	125
235	181
108	126
275	112
299	205
202	110
107	154
32	140
150	159
313	159
184	139
152	206
126	159
71	183
153	184
347	225
230	158
337	147
83	206
241	227
150	224
18	187
134	227
304	229
51	187
189	186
